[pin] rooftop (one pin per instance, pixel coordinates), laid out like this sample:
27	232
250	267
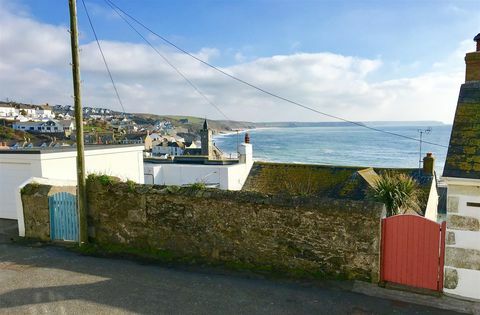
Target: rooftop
73	148
463	157
340	182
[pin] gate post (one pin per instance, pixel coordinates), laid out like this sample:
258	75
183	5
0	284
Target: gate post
441	260
382	251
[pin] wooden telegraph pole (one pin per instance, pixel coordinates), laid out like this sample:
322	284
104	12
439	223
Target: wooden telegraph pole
81	183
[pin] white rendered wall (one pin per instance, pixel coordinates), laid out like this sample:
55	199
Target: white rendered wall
227	177
431	211
125	163
466	191
13	172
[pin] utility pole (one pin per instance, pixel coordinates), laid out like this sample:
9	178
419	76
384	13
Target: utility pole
81	183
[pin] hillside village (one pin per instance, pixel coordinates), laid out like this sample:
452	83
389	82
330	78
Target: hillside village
39	126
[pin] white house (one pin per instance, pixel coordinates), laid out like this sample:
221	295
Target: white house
462	176
7	110
16	166
44	112
50	126
171	148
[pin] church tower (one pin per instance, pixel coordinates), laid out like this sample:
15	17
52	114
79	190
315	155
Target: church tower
206	139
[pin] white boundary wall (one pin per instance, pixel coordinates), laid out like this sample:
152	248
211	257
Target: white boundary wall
124	162
227	177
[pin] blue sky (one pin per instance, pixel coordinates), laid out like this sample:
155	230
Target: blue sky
404	32
405	40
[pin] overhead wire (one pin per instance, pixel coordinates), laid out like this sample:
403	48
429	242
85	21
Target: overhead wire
178	71
260	89
103	57
170	63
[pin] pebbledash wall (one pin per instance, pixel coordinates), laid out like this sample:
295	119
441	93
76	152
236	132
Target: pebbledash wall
322	237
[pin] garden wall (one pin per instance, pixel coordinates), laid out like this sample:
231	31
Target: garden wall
327	238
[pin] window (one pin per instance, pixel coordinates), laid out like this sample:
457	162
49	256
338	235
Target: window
473	204
32	128
48	128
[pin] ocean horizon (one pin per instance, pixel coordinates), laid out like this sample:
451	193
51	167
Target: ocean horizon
342	146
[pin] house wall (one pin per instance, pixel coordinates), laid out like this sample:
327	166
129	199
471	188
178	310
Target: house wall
226	177
13	172
302	236
462	255
431	210
15	168
125	163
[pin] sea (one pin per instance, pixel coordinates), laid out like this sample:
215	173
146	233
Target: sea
343	145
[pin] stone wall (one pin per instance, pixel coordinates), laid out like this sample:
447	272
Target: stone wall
462	253
320	237
36	211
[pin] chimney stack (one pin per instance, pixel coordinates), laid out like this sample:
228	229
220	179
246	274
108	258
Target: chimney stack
247	138
472	61
428	164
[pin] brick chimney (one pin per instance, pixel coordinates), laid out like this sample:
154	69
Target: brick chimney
472	61
428	164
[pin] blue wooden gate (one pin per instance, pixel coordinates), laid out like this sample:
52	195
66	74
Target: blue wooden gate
63	217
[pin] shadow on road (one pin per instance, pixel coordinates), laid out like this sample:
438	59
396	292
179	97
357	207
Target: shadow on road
39	275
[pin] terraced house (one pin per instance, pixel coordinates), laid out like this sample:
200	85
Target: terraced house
462	175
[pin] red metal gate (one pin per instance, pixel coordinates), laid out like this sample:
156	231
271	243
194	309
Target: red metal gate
413	251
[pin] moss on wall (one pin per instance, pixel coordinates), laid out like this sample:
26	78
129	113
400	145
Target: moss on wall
310	235
302	236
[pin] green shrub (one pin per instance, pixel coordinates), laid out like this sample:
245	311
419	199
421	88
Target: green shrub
398	192
131	185
198	186
103	179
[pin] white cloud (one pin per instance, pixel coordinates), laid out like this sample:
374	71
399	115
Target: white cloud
35	57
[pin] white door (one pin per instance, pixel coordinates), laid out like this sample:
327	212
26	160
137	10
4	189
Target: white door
11	176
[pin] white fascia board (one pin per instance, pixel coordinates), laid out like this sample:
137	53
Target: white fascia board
461	181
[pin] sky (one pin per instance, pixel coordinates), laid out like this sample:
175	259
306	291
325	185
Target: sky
360	60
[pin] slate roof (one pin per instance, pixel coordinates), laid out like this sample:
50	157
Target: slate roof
339	182
463	157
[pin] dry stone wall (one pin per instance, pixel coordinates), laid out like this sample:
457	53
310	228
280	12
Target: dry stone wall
326	237
321	237
36	210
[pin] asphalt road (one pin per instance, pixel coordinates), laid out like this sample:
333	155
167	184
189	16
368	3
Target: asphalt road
52	280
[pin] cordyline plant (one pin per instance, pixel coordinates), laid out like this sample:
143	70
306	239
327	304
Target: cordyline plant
398	192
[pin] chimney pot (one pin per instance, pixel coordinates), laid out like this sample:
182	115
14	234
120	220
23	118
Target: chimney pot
428	164
472	61
247	138
477	39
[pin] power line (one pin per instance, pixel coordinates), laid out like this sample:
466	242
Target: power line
178	71
170	64
114	7
103	57
166	60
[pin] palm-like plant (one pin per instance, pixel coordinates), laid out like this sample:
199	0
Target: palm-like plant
399	192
